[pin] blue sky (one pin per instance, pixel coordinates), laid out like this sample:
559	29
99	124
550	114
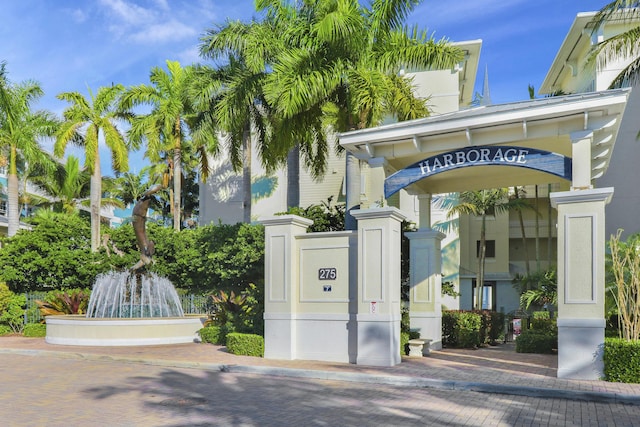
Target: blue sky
70	45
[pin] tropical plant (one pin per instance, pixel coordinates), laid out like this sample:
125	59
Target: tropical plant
86	123
325	216
173	125
482	203
71	301
334	63
624	45
539	288
20	130
236	96
69	187
625	266
345	65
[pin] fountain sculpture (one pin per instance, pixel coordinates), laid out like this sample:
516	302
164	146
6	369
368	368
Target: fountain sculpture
132	307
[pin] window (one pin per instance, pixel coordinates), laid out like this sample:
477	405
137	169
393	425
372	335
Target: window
490	248
3	207
488	295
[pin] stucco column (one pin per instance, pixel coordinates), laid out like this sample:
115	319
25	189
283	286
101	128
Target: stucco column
581	160
377	175
425	296
424	216
281	272
378	294
581	260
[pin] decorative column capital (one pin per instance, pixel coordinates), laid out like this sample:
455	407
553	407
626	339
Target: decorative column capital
581	196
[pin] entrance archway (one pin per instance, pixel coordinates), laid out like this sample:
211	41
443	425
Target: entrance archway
540	141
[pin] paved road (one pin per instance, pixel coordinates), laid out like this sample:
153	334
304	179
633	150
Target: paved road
42	390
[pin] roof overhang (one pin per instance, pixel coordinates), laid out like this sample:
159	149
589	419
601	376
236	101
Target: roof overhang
549	124
567	59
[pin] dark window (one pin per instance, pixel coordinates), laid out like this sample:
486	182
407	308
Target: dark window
488	295
490	251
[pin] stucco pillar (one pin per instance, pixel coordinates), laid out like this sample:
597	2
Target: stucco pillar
281	272
377	175
378	295
424	214
425	295
581	160
581	260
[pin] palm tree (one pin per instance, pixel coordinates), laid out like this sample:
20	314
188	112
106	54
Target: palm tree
623	45
86	123
236	95
70	187
20	129
341	63
130	186
482	203
172	126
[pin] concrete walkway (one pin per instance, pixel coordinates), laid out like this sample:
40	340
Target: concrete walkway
496	370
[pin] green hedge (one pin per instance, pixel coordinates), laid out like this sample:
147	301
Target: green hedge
35	330
532	341
496	326
5	330
621	360
461	328
245	344
210	334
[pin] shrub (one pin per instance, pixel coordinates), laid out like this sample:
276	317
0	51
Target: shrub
621	360
210	334
70	301
532	341
12	314
245	344
496	327
35	330
404	343
5	330
542	322
461	328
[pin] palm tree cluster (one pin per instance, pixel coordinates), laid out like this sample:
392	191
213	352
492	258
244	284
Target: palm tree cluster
283	84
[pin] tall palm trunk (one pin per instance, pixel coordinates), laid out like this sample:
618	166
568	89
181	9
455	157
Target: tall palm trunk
13	210
352	184
95	196
549	225
177	177
524	237
481	258
293	178
246	175
537	234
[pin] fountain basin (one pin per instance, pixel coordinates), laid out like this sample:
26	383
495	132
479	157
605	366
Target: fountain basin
82	331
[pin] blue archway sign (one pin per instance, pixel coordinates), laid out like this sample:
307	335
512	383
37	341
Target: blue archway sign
493	155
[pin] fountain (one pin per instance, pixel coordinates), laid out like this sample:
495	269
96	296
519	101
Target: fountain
131	307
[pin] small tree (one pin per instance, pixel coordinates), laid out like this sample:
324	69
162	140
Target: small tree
625	266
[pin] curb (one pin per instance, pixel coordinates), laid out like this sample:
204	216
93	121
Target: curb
391	380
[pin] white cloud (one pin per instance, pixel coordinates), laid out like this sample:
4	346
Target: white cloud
189	56
151	21
161	32
79	15
128	12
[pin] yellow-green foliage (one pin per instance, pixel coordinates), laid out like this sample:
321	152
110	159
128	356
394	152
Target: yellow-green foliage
5	296
621	360
210	334
35	330
245	344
